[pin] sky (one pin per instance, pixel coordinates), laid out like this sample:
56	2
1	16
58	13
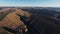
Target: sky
32	3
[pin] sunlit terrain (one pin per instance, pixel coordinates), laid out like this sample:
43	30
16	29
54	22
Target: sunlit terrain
29	20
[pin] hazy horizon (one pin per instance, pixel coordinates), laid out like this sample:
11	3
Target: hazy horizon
30	3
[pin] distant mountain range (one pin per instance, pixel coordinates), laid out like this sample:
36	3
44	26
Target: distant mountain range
51	11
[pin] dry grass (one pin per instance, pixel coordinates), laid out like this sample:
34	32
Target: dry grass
12	20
